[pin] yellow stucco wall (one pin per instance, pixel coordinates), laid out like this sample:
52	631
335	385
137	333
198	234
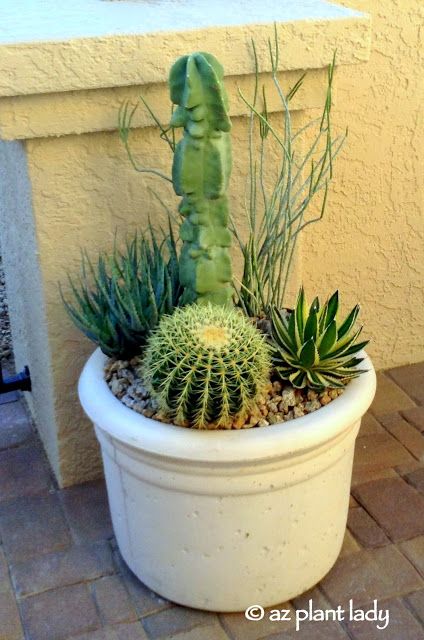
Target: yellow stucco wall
371	242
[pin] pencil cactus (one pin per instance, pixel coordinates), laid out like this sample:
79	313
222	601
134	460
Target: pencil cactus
205	365
312	348
200	174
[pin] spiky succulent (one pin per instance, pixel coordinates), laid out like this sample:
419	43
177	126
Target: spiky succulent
312	348
119	300
206	365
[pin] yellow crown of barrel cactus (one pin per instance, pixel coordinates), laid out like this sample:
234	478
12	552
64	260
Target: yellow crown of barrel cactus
206	365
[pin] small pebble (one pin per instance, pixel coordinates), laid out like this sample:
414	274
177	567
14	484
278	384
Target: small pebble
272	407
126	374
312	405
140	407
298	411
300	398
324	399
238	422
117	387
6	351
118	365
159	415
263	423
137	390
288	396
128	401
312	395
149	413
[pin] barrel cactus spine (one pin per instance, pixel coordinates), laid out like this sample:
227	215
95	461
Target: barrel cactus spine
206	366
200	174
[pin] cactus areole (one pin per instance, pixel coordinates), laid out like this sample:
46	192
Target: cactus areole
200	174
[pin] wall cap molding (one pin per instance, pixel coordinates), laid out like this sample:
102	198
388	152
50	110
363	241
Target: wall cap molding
79	48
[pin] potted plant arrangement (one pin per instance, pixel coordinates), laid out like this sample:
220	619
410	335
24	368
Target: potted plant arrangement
226	422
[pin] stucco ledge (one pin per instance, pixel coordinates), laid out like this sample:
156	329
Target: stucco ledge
97	50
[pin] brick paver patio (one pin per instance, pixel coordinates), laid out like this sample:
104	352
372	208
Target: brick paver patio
61	575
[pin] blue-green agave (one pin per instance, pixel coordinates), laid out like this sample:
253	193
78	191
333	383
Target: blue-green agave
117	301
312	348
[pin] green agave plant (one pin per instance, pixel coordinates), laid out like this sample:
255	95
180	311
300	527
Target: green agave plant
311	348
121	298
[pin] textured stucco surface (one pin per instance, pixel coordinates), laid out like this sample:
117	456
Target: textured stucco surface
56	114
80	187
371	243
77	64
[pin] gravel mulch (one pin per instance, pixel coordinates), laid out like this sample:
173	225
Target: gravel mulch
6	352
279	403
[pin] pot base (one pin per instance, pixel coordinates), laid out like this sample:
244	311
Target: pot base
227	552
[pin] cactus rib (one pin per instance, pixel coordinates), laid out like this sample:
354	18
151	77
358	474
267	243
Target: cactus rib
200	173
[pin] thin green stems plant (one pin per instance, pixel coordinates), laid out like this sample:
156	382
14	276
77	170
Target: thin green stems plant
126	115
276	215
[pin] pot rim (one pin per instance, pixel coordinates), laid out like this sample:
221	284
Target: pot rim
221	446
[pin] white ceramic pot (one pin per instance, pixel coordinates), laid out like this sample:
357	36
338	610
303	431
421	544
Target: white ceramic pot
221	520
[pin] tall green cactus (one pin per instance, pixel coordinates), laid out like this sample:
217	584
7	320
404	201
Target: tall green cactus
200	174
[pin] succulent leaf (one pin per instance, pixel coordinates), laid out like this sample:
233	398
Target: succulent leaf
292	330
310	349
311	326
301	315
278	322
343	345
332	308
308	354
347	325
314	305
328	339
119	299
